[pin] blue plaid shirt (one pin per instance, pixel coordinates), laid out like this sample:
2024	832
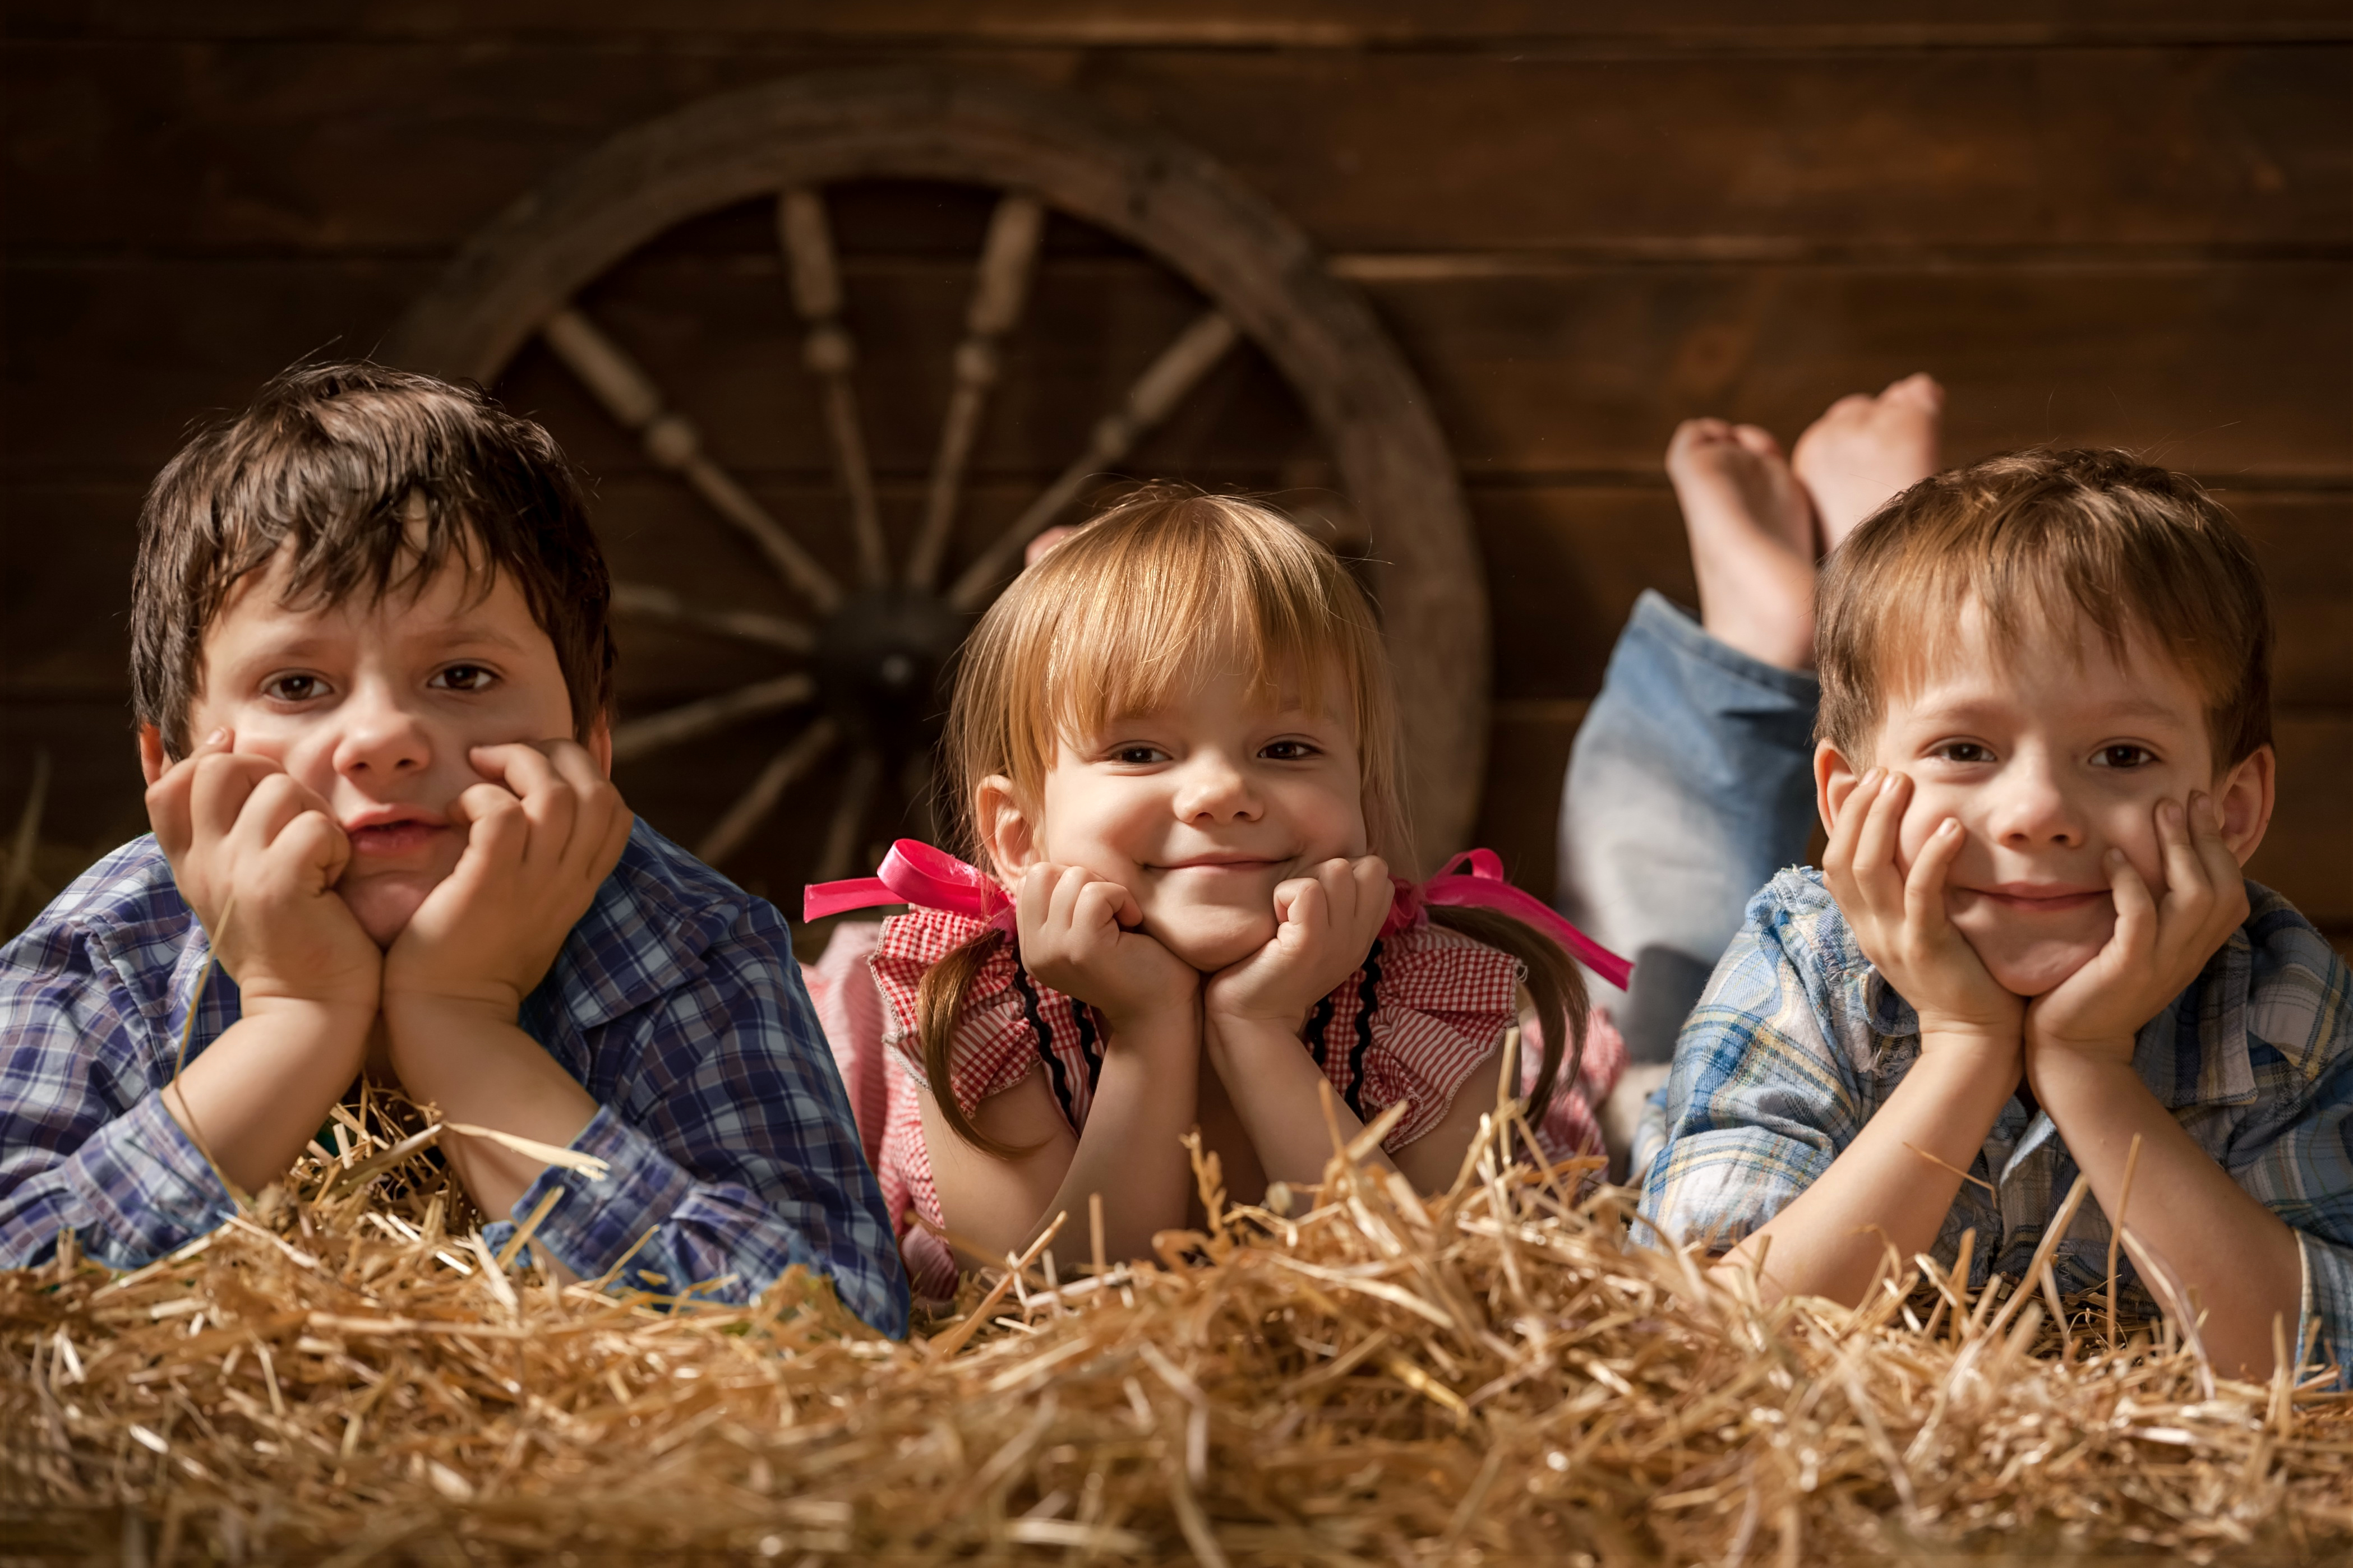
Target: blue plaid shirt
675	1002
1797	1042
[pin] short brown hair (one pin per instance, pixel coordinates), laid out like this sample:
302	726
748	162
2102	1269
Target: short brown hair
333	463
2050	535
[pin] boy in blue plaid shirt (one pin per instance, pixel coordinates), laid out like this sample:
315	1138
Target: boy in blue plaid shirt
2044	754
373	681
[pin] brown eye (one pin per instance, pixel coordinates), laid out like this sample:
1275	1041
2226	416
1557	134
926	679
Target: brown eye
1964	751
1287	751
2123	757
464	678
294	688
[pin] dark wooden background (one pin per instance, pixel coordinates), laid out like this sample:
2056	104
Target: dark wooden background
2123	221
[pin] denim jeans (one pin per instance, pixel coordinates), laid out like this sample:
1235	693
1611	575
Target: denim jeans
1690	785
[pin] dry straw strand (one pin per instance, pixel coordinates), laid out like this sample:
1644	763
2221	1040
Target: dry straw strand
345	1372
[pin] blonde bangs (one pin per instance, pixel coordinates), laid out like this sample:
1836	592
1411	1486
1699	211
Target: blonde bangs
1157	593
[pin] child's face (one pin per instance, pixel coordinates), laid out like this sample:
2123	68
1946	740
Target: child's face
375	706
2048	756
1199	808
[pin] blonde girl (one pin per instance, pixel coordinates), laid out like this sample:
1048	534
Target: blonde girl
1173	746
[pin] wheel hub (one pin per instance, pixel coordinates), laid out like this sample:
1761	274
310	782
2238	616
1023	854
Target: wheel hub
880	660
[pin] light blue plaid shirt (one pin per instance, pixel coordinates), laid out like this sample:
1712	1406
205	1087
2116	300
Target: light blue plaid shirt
1797	1042
675	1002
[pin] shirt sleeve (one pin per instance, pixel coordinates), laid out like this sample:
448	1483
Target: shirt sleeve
2298	1161
86	1144
1761	1099
730	1150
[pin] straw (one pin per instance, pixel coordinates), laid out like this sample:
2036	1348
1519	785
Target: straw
343	1373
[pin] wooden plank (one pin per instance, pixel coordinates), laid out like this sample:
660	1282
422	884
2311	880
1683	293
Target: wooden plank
2306	856
1566	561
332	146
2236	370
1292	24
2219	368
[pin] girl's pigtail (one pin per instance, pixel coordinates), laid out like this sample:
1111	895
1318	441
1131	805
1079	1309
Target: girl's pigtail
939	1003
1555	983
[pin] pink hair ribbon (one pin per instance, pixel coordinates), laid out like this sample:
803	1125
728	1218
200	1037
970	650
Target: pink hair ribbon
915	873
1485	887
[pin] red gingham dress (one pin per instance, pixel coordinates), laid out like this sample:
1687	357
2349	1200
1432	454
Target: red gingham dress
1428	1005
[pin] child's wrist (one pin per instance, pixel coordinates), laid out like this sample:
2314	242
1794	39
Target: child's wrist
408	1011
333	1021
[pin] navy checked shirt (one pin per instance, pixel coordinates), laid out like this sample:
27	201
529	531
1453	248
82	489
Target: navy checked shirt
675	1002
1797	1042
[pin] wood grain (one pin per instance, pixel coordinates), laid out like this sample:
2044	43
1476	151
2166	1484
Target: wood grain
2221	369
1158	24
330	147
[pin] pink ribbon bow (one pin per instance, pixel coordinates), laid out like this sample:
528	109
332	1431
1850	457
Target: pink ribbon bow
1487	888
915	873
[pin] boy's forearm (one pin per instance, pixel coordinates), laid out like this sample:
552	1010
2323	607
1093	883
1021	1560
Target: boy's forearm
1273	1084
487	1071
259	1091
2239	1260
1884	1189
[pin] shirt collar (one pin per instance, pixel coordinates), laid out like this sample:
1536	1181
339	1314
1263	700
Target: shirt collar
645	934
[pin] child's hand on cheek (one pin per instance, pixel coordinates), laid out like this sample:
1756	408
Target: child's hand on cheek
1326	924
256	855
2157	947
1077	934
1900	922
540	837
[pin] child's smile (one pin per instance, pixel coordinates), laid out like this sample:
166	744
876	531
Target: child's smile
1202	806
375	706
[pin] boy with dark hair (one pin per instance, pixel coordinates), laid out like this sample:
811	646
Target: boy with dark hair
373	681
2044	755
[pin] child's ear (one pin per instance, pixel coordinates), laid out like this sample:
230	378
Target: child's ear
1834	780
1006	832
153	760
2245	798
600	743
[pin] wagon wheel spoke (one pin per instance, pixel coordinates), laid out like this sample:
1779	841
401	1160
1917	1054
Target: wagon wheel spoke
645	602
656	732
1008	259
671	440
858	784
829	354
754	804
1180	367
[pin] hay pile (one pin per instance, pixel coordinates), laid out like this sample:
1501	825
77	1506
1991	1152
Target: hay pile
346	1375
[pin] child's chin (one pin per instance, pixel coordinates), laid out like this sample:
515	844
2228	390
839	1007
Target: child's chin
2031	966
1210	940
384	905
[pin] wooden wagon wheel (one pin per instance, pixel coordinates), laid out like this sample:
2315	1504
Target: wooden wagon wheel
865	653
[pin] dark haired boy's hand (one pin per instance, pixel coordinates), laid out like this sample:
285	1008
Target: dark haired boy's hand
1900	922
1325	925
256	855
540	837
1078	934
2157	946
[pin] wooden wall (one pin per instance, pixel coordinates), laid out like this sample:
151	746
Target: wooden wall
2100	221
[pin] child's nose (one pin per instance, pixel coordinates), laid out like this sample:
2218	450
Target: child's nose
1214	789
2032	808
381	738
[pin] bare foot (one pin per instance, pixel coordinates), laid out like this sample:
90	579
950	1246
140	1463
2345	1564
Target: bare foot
1752	539
1039	548
1863	450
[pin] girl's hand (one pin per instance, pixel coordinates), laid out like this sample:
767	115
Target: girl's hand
2156	950
1326	924
1900	922
1078	935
